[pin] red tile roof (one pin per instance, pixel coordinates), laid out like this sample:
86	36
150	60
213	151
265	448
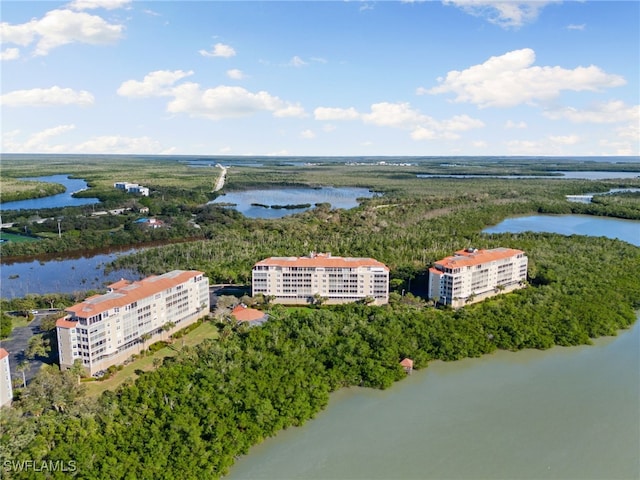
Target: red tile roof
3	353
407	363
321	260
128	292
464	258
64	323
244	314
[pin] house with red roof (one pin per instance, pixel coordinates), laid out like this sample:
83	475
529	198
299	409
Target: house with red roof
251	316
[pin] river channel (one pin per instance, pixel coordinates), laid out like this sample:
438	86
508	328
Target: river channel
564	413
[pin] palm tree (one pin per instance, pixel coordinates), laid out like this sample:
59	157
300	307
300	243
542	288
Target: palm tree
144	337
168	326
23	367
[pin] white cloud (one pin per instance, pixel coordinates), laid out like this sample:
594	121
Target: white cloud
219	50
403	116
328	113
611	112
93	4
510	79
308	134
10	54
46	97
158	83
399	115
226	102
235	74
214	103
297	62
480	144
505	14
511	124
61	27
290	110
565	139
42	142
576	27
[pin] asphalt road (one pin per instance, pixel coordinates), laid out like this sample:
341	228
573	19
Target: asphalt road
17	343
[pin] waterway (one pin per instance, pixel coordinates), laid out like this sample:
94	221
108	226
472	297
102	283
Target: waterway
245	201
564	413
562	175
54	201
60	275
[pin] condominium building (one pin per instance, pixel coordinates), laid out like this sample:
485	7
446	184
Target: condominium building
472	275
6	389
105	330
132	188
301	280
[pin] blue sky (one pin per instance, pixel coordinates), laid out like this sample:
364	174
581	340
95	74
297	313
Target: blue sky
321	77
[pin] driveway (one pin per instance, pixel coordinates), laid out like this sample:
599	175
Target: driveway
17	343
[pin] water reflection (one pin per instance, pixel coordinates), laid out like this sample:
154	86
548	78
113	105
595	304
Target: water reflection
54	201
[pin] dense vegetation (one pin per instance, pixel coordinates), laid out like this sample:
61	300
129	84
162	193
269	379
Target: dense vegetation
199	410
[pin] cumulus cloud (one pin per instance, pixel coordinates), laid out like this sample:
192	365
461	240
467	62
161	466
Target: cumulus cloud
511	124
235	74
510	79
565	139
403	116
45	142
297	62
611	112
158	83
93	4
46	97
327	113
219	50
399	115
226	102
308	134
10	54
506	14
61	27
214	103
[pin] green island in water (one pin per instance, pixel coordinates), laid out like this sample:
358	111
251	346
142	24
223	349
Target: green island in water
204	405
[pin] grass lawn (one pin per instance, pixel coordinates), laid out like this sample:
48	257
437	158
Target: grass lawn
12	237
204	331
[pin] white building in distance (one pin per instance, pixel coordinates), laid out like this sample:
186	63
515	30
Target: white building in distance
472	275
106	330
132	188
298	280
6	389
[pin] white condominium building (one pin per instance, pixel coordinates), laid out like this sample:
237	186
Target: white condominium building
132	188
6	389
298	280
472	275
107	329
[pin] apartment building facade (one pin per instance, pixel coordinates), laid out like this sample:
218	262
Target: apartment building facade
132	188
106	330
6	389
471	275
298	280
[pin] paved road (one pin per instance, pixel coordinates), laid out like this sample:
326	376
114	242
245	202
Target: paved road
17	343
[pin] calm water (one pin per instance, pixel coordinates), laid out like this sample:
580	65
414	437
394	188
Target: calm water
565	175
59	276
54	201
338	198
564	413
626	230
